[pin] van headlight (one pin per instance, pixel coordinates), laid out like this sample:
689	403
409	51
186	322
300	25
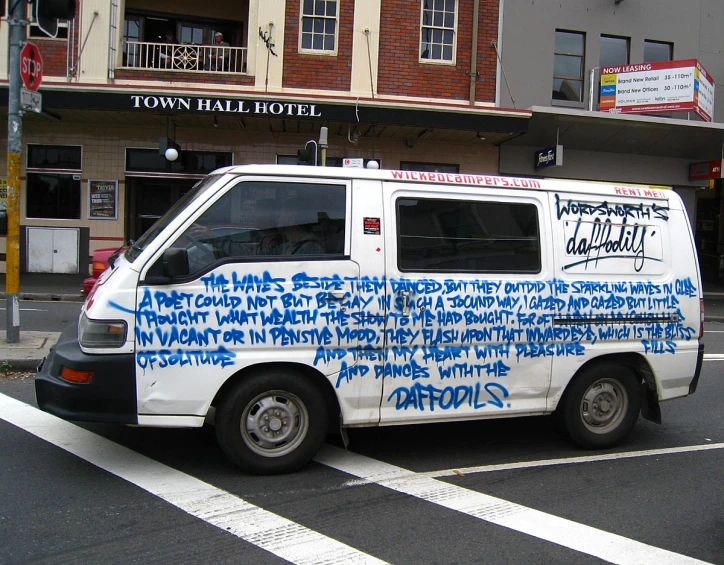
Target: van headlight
101	334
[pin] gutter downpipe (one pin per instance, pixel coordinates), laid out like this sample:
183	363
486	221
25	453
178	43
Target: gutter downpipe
474	54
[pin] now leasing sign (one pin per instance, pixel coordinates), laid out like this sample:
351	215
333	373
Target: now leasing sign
671	86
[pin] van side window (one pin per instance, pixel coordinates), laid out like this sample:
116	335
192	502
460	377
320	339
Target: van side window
257	221
461	235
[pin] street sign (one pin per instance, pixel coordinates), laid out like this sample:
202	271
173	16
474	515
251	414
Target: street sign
706	170
31	66
32	101
353	163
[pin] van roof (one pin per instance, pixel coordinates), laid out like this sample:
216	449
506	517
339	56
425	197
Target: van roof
461	179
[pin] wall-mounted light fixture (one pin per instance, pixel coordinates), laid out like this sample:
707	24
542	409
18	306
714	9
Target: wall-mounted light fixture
420	136
480	136
216	122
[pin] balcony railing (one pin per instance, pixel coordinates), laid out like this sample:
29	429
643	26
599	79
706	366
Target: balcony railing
184	58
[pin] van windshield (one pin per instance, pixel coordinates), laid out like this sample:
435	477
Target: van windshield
135	249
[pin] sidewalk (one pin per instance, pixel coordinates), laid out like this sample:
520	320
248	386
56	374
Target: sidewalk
33	346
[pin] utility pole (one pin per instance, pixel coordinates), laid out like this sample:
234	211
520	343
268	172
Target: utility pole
18	21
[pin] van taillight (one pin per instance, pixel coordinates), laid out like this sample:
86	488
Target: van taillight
701	319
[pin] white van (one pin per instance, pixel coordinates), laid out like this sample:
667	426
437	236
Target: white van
287	301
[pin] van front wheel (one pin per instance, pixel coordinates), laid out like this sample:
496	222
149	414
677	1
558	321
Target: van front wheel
272	422
602	405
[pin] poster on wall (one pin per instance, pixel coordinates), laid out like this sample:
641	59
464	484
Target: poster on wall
102	199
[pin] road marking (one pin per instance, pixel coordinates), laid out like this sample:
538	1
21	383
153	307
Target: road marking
713	357
26	310
266	530
566	533
571	460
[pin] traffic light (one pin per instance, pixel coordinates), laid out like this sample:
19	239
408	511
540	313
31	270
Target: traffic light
48	12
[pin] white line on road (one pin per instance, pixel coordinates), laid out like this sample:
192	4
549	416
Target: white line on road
579	537
26	310
572	460
266	530
713	357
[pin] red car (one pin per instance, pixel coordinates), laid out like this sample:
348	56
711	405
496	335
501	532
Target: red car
100	263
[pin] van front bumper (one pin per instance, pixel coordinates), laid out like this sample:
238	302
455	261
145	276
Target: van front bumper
109	397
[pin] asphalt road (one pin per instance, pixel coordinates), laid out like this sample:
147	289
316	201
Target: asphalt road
504	491
37	315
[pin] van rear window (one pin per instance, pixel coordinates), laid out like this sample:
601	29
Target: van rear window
461	235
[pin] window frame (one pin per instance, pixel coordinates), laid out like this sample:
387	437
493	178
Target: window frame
669	44
429	60
76	175
619	38
582	77
311	50
255	184
469	200
73	177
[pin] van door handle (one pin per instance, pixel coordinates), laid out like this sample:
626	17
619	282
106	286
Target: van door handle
335	295
406	294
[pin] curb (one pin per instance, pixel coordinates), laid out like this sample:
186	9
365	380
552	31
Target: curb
25	364
48	297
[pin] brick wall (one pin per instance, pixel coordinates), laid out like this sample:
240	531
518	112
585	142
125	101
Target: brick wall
55	51
400	70
322	72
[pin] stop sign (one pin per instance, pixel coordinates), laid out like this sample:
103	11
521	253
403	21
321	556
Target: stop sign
31	66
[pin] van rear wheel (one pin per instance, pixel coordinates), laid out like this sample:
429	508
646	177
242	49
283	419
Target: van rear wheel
602	405
272	422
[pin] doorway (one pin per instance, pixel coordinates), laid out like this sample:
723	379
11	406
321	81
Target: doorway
149	199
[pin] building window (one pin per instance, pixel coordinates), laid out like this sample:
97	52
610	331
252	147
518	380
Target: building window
34	31
658	51
568	63
319	26
53	196
614	51
437	30
436	235
188	162
54	182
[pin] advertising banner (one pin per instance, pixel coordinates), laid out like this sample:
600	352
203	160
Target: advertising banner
670	86
102	204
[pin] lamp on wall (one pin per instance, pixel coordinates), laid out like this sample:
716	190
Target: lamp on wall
167	145
420	136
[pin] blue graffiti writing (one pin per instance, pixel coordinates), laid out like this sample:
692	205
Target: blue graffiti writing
409	371
348	373
531	350
467	371
181	357
419	396
659	347
314	336
191	336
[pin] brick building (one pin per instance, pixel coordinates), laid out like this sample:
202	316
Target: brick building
413	85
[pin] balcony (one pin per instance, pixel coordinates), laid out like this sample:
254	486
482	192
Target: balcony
207	59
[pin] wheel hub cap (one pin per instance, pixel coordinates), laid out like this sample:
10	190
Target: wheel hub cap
604	405
274	423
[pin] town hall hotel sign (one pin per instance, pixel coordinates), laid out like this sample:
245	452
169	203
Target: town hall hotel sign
221	105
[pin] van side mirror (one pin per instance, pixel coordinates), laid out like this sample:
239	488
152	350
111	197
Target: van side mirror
175	263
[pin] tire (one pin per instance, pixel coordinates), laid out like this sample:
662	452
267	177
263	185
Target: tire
602	405
272	422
